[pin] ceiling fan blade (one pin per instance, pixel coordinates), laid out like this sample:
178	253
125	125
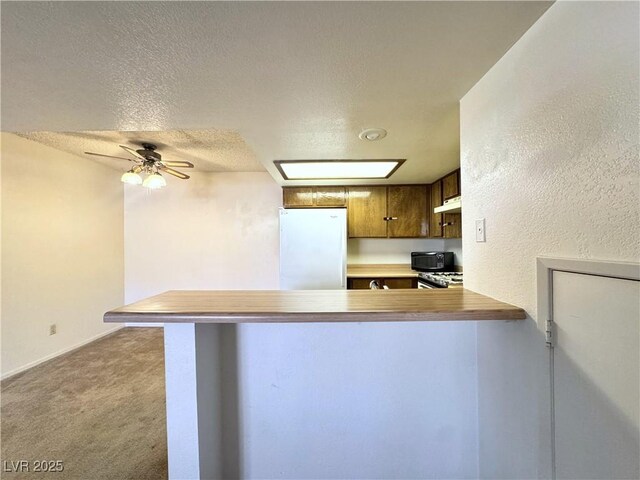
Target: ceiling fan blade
175	173
133	152
109	156
178	164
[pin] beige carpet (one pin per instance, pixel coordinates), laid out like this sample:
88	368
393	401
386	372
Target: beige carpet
99	409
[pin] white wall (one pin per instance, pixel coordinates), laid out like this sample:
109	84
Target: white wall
398	250
1	230
214	231
359	401
549	145
306	401
454	245
62	251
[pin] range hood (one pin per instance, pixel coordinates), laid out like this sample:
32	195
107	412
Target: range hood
453	205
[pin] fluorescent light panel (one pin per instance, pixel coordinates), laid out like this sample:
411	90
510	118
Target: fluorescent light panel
336	169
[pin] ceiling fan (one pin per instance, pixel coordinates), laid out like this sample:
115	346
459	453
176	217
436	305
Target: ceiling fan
150	162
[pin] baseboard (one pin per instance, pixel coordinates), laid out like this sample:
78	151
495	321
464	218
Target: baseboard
58	353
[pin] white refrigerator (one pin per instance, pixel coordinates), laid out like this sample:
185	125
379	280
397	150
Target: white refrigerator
313	248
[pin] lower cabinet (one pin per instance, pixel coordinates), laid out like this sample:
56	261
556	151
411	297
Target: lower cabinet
392	283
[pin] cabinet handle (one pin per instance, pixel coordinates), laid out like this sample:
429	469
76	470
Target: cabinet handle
393	218
447	224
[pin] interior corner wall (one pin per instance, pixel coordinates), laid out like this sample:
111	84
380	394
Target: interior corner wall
62	251
549	156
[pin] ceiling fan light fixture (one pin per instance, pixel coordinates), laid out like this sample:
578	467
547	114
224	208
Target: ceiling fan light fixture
131	178
154	181
147	160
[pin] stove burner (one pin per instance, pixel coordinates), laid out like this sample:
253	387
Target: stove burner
441	279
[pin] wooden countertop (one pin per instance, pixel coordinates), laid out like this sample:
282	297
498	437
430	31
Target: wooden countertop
392	270
273	306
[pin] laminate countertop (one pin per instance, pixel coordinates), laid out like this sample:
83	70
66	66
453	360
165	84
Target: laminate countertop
393	270
283	306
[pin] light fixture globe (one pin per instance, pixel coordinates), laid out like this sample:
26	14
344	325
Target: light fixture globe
154	181
131	178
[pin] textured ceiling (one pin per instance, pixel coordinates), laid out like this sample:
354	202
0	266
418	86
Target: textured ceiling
296	80
208	150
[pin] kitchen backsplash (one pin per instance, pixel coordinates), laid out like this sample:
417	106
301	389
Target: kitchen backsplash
454	245
398	250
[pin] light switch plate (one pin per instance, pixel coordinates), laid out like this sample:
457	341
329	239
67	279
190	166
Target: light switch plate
480	234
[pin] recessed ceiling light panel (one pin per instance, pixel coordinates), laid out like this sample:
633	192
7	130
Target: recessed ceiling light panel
373	134
336	169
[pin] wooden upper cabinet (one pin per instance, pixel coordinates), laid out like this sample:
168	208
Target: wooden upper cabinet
407	211
451	185
307	197
297	197
394	211
331	197
366	212
452	225
435	224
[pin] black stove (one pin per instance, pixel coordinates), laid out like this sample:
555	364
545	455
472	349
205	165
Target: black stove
439	279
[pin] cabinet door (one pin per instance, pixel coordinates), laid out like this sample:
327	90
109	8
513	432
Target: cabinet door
452	225
451	185
394	283
331	196
367	209
436	218
361	283
297	197
407	211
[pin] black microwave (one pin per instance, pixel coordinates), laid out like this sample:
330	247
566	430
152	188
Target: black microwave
432	261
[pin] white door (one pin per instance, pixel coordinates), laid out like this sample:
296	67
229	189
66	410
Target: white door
596	376
313	248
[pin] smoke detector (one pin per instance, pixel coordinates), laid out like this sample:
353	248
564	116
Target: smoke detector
373	134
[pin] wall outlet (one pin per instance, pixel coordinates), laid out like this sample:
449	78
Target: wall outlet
53	329
480	234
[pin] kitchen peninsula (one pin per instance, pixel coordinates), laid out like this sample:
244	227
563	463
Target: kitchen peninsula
277	306
195	350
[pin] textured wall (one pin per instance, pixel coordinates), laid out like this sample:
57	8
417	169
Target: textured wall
62	251
214	231
550	149
549	142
